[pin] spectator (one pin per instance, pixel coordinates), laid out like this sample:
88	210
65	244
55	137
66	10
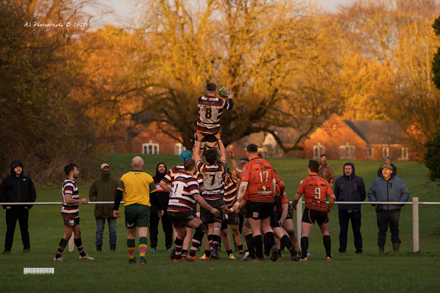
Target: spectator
388	188
388	162
17	188
325	171
160	203
349	187
104	189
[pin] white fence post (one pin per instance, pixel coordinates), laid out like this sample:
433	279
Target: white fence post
71	243
415	220
299	215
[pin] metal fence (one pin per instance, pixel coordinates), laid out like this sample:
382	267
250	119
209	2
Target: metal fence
299	214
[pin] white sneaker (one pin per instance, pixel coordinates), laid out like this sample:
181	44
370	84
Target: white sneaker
86	257
58	259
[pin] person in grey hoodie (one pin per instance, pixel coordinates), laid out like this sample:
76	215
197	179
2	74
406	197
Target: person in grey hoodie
388	188
349	187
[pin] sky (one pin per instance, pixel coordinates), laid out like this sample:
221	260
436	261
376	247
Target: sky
123	10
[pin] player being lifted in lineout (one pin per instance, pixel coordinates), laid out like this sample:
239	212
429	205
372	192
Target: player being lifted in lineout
210	110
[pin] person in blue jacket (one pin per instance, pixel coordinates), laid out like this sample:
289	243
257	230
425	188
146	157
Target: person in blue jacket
388	188
349	187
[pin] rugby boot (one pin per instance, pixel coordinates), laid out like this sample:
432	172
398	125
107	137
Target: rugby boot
173	253
191	258
143	261
214	254
180	259
132	261
86	257
205	257
245	257
275	254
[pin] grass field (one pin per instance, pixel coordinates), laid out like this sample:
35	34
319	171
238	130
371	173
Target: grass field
110	272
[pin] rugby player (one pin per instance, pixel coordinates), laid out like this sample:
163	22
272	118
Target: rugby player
315	190
181	211
166	184
210	110
232	219
259	181
213	173
70	213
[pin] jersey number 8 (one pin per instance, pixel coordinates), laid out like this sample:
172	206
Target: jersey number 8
208	113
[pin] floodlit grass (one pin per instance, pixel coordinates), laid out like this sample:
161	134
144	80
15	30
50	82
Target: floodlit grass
110	272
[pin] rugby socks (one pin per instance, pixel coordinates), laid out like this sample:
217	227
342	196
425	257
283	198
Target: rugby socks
240	247
288	244
178	243
208	253
216	241
184	252
197	240
229	252
79	246
251	246
258	242
143	241
304	246
210	236
131	243
270	239
61	247
327	245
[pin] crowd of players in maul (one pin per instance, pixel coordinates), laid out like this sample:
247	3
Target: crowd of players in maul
249	195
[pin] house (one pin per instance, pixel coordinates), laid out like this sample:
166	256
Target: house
357	140
338	139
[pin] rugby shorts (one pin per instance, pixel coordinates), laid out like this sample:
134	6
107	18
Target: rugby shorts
137	215
310	216
180	219
206	215
259	210
71	222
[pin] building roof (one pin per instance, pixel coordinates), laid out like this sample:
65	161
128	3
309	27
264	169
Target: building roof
378	131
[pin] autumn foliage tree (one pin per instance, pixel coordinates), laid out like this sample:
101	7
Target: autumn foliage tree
273	67
39	125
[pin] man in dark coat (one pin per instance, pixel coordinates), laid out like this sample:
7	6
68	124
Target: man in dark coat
349	187
17	188
104	189
160	202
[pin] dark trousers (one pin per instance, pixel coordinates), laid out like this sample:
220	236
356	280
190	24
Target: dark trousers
12	215
344	218
167	227
385	218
